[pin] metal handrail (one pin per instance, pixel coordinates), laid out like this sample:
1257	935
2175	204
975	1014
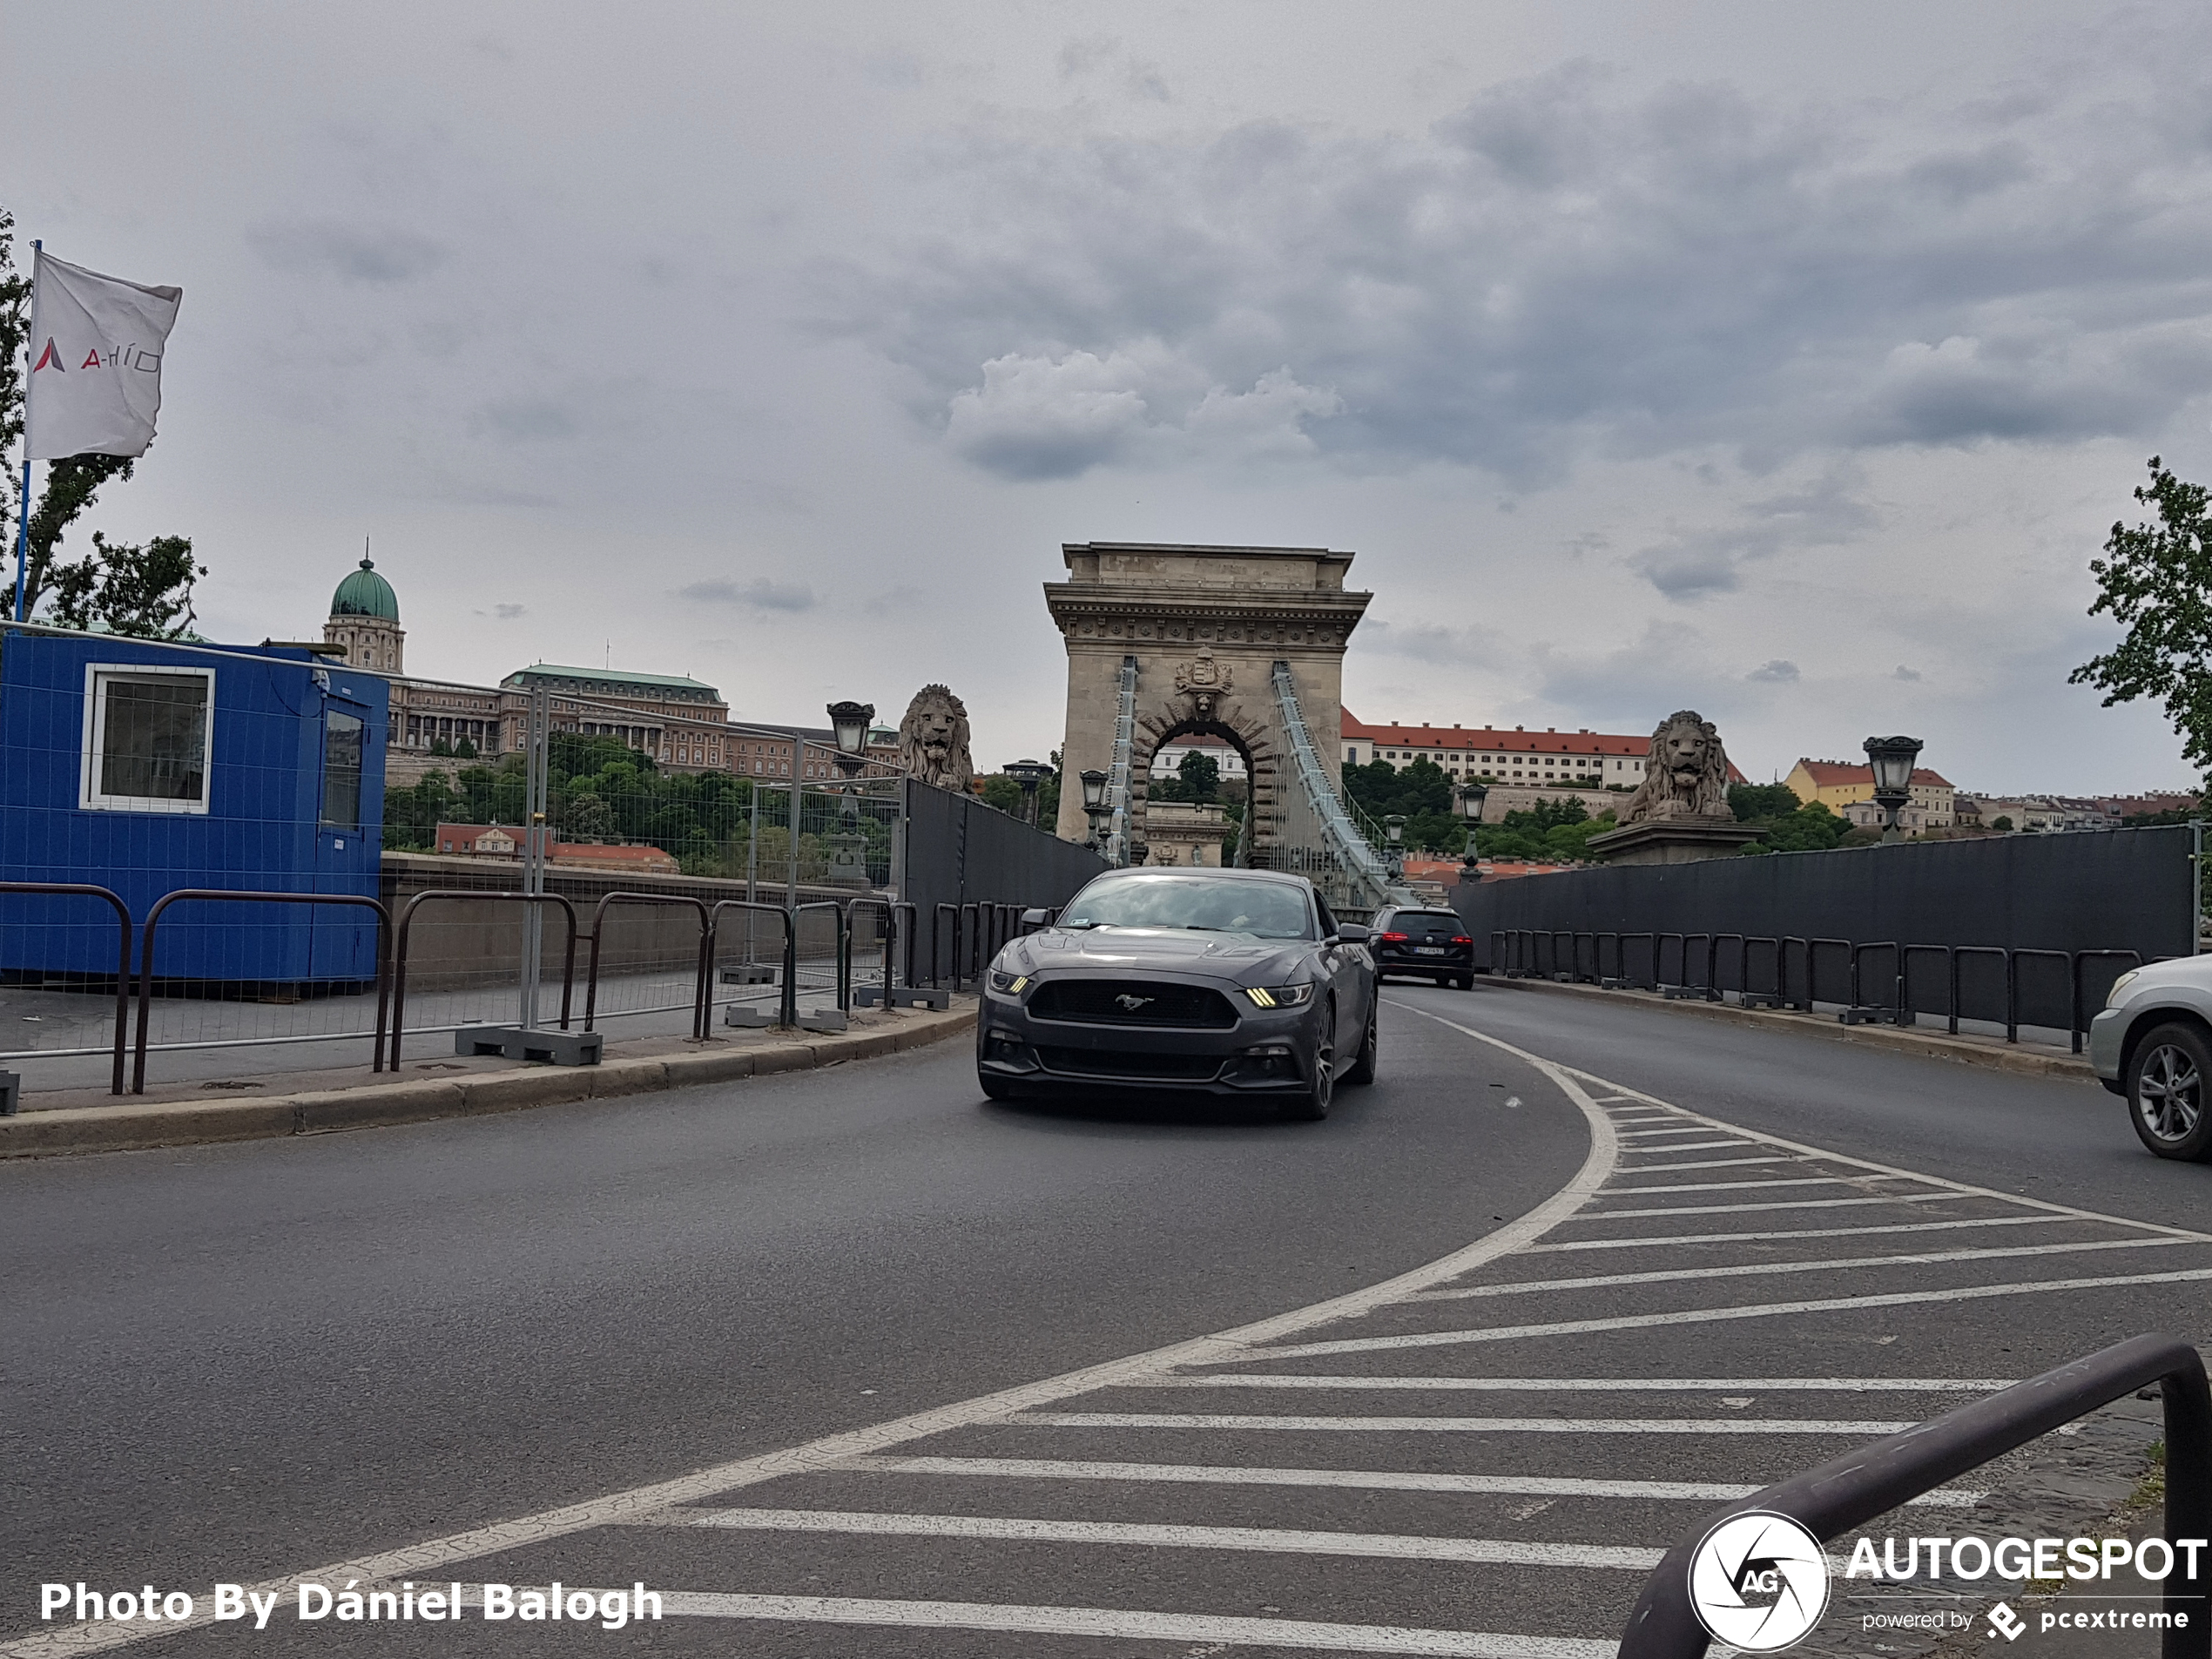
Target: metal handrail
1858	997
385	994
1854	1488
936	914
890	934
787	998
1812	978
407	922
1658	956
699	993
1781	973
912	932
123	956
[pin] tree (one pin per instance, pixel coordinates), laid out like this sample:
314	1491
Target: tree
2001	824
2157	581
1754	803
144	590
1003	792
1201	776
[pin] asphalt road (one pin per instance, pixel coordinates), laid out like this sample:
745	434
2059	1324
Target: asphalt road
248	1362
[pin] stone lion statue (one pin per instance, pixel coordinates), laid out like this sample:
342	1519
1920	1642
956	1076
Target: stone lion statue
933	739
1685	775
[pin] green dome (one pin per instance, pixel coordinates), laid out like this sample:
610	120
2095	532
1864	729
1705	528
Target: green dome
366	594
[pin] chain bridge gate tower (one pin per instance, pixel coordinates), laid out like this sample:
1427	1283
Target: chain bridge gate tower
1244	645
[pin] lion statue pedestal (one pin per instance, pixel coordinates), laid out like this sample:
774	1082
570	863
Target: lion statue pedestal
1680	813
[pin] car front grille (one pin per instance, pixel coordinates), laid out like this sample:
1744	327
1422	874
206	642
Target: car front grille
1108	1002
1131	1062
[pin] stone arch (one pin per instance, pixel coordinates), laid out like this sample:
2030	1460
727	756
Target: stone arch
1252	739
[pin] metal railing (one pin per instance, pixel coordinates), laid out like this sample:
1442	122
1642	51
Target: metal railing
787	1002
386	981
122	962
1848	1491
407	922
1525	953
598	931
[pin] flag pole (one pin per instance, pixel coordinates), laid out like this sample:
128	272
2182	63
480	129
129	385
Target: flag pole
23	500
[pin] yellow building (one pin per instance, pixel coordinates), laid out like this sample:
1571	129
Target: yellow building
1837	785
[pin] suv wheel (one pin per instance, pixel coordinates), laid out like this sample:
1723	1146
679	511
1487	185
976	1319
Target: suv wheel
1314	1104
2167	1079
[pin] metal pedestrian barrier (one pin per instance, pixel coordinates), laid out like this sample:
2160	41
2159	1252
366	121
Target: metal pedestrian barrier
454	895
73	889
1848	1491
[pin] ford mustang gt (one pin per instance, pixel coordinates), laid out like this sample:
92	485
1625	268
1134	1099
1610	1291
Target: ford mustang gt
1234	982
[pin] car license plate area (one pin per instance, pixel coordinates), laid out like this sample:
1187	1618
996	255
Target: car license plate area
1429	950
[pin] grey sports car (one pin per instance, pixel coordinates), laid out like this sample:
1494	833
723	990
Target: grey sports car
1235	982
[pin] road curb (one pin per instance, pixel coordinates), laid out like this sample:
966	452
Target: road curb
1924	1045
138	1128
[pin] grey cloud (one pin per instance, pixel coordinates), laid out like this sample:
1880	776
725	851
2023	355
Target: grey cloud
510	613
526	420
1564	268
350	253
761	594
1693	563
1905	673
1780	672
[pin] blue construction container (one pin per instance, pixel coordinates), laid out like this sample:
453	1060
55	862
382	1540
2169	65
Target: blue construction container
146	766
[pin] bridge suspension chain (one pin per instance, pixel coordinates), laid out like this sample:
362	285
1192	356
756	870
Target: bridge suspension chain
1316	836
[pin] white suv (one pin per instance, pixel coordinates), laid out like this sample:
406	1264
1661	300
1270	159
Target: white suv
2153	1043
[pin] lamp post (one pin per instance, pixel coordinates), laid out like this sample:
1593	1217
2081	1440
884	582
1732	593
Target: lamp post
1030	774
849	724
1394	832
1891	760
1094	782
1138	852
1471	799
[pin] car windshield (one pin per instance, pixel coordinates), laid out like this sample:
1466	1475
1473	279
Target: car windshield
1270	909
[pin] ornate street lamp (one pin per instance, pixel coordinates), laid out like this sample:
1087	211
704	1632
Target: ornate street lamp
1472	795
1891	760
1030	774
1394	832
849	723
1139	851
1094	782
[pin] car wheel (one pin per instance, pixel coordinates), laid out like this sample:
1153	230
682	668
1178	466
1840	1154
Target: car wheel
996	1088
1363	1063
1466	982
1313	1105
2167	1083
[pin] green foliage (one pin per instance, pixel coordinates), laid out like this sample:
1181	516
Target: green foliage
1762	803
1810	828
144	591
1551	832
1003	794
1422	793
2002	824
147	587
2157	581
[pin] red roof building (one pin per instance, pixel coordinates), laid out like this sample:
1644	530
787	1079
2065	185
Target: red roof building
1516	757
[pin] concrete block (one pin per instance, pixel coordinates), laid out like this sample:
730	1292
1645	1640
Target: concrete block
823	1019
550	1047
709	1066
512	1092
749	974
783	1056
746	1019
629	1077
343	1108
920	996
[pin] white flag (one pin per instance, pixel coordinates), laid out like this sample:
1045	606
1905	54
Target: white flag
96	346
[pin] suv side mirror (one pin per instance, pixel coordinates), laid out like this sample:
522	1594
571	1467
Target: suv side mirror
1350	933
1038	918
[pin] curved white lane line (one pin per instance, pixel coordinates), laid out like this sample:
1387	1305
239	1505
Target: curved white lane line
427	1558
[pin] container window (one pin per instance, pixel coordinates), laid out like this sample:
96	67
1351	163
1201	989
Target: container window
147	739
341	769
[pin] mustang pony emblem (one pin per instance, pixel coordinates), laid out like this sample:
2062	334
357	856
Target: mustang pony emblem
1132	1003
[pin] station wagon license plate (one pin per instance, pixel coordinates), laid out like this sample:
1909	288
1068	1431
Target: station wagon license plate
1429	950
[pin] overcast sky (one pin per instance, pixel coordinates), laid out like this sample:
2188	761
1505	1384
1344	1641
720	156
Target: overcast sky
1787	361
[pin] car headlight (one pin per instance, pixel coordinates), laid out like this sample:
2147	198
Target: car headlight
2119	985
1012	984
1279	996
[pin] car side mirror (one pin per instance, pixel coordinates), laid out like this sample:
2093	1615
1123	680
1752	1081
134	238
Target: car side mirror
1038	918
1350	933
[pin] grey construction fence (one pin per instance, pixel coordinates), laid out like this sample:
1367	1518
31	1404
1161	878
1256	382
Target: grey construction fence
2013	930
959	850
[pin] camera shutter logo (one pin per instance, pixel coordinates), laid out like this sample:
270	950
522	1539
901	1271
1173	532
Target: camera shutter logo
1758	1581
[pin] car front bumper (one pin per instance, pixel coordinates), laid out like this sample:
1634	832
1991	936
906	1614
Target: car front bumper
2107	1036
1267	1051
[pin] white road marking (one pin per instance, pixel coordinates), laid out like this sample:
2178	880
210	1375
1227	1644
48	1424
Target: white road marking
1596	1385
1135	1626
1760	1269
1701	1316
1518	1485
1645	1133
1485	1552
1724	1186
1459	1425
428	1558
1704	1164
1746	1208
1806	1232
1699	1146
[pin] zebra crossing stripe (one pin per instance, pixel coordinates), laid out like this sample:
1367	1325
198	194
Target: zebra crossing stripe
1459	1425
1814	1232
